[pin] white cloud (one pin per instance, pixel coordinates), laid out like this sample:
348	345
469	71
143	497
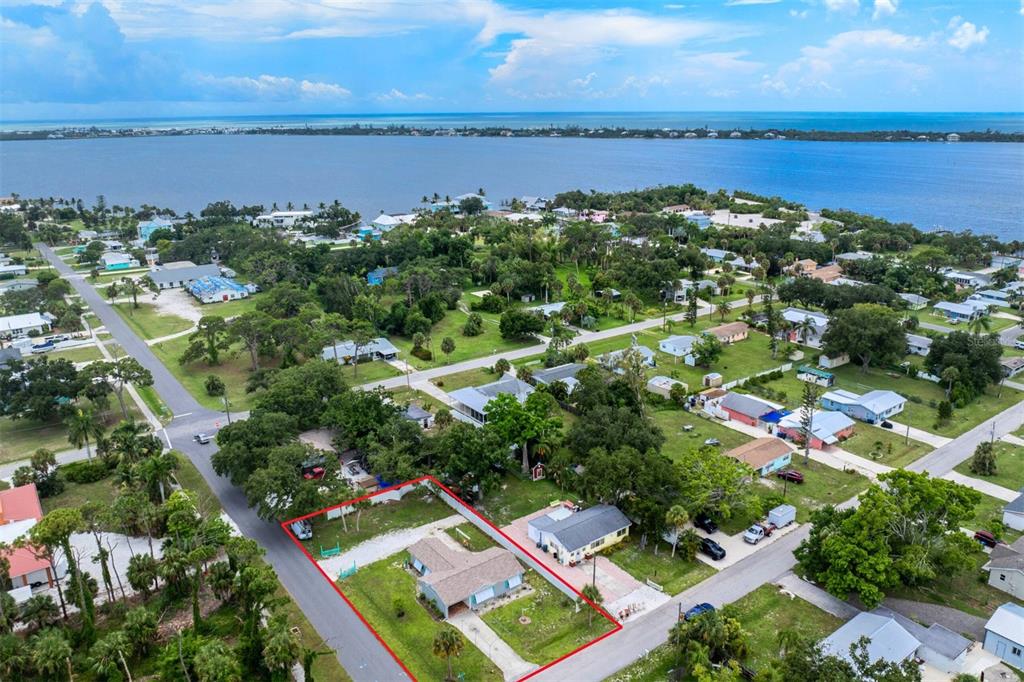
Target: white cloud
848	6
799	14
735	3
396	95
885	8
583	82
966	34
266	87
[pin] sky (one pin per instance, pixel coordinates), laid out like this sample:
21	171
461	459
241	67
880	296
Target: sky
152	58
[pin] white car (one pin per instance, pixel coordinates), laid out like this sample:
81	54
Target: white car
1019	344
303	529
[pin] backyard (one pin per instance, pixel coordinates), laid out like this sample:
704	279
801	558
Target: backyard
383	589
1009	466
890	447
544	625
678	440
470	377
823	485
516	497
673	574
968	591
466	347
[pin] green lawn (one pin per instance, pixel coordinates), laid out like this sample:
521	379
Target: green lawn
82	354
968	592
554	628
823	485
153	402
470	537
415	509
19	438
405	395
190	479
374	370
466	347
148	323
375	588
471	377
672	421
1009	467
989	514
517	497
896	450
674	574
233	370
227	309
764	613
77	494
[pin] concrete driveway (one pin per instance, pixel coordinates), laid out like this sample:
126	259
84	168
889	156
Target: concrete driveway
383	546
512	665
736	548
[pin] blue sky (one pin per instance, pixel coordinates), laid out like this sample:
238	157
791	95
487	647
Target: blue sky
122	58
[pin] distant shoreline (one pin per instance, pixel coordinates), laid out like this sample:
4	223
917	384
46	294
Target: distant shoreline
576	132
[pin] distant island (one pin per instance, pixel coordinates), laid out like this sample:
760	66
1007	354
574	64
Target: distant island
606	132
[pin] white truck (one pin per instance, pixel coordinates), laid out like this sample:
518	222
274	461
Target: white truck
780	517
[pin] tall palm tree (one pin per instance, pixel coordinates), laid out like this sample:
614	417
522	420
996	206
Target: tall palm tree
723	309
980	324
83	425
126	441
447	643
156	472
591	592
676	518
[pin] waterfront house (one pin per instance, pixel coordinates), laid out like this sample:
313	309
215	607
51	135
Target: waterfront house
827	428
178	274
571	536
20	510
1013	513
918	345
377	276
148	227
472	401
565	373
385	222
345	352
118	261
763	455
957	312
678	346
1004	634
872	407
1005	568
533	203
281	219
13	326
745	408
914	301
451	577
731	332
662	385
612	359
216	289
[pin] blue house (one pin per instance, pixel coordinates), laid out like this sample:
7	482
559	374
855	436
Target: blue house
957	312
872	407
1004	634
450	576
377	276
148	227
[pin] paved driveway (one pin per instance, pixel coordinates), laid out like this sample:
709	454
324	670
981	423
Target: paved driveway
383	546
512	665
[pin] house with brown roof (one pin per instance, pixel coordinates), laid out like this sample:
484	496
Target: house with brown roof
826	273
731	332
764	455
451	576
802	267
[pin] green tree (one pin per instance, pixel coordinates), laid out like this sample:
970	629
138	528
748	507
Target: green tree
808	406
868	331
254	329
474	325
130	287
40	610
107	655
447	643
447	347
520	423
281	648
723	309
214	385
140	625
518	324
707	350
983	462
51	653
676	519
215	662
84	428
207	342
591	592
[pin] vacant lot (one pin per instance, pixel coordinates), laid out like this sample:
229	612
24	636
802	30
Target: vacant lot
673	423
149	322
385	594
823	485
673	573
233	370
516	497
466	347
884	446
470	377
19	438
1009	467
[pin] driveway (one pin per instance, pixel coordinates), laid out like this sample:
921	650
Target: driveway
915	433
737	549
512	665
383	546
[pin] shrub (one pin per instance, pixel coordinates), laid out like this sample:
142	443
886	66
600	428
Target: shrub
214	385
474	325
490	304
422	353
85	472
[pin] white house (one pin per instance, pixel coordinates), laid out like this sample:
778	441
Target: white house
991	296
887	640
569	536
178	274
1013	513
385	222
1005	568
548	310
958	312
14	326
914	301
662	385
679	346
283	219
472	401
13	269
918	345
817	324
216	289
345	352
1004	634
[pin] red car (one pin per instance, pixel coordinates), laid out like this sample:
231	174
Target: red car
791	475
986	538
315	472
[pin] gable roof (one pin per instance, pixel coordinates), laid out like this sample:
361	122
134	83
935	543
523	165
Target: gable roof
957	308
876	401
724	331
936	637
888	639
1007	557
746	405
918	340
1016	505
760	451
797	315
825	424
914	299
477	397
455	575
1008	622
14	323
578	530
348	349
559	373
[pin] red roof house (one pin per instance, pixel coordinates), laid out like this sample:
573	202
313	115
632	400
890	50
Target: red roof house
19	511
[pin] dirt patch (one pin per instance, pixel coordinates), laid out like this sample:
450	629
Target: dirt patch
182	619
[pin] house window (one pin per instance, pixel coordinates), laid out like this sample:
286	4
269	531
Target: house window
1016	650
597	544
621	533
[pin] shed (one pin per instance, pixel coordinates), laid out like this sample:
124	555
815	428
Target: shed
1004	634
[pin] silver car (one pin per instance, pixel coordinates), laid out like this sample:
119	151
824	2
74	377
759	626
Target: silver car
302	529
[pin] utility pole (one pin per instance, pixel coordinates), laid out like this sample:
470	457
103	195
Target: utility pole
227	407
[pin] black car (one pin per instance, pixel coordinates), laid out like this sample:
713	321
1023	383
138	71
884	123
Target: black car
704	522
712	549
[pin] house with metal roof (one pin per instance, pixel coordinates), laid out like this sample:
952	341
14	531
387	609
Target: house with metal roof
914	301
612	359
918	345
1004	634
472	401
216	289
717	255
678	346
450	576
814	375
115	260
178	274
13	326
872	407
345	352
1013	512
548	310
565	373
887	640
571	536
764	455
991	296
827	428
745	408
958	312
1005	568
811	335
13	269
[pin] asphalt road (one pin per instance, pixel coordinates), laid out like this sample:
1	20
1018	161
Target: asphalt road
355	646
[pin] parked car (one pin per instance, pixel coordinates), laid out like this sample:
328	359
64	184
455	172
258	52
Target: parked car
311	473
201	438
986	538
1019	344
302	529
758	532
886	424
704	522
712	549
696	610
42	347
791	475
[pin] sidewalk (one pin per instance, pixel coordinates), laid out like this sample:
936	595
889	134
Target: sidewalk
1013	440
490	644
926	437
810	592
63	457
990	489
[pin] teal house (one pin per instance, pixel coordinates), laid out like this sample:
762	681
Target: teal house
453	578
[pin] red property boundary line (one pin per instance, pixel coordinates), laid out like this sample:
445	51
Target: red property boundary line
430	479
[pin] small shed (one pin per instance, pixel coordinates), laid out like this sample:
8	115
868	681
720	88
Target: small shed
711	380
813	375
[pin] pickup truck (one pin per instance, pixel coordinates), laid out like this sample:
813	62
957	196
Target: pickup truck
758	532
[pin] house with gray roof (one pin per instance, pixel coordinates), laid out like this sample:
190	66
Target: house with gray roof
472	401
872	407
571	536
1005	568
452	577
415	413
1004	634
940	647
1013	513
914	301
958	312
180	274
9	355
887	639
918	345
565	373
612	359
548	310
345	352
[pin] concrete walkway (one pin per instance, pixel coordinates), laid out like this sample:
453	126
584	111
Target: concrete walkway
920	435
1013	440
170	337
493	647
383	546
983	486
63	457
810	592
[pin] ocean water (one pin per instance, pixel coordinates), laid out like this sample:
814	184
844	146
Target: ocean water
977	186
720	120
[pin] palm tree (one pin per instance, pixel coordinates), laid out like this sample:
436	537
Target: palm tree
980	324
51	652
787	639
591	592
126	441
950	376
157	471
676	519
130	287
447	643
722	309
83	424
750	298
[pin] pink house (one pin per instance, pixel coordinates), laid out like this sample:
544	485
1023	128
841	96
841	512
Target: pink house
744	408
19	511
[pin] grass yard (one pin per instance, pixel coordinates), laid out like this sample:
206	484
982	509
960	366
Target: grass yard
365	372
83	354
19	438
674	574
554	628
517	497
822	486
1009	467
415	509
404	396
148	323
153	402
77	494
968	592
654	667
470	537
189	478
233	370
896	450
471	377
374	590
765	612
466	347
671	421
228	309
989	515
